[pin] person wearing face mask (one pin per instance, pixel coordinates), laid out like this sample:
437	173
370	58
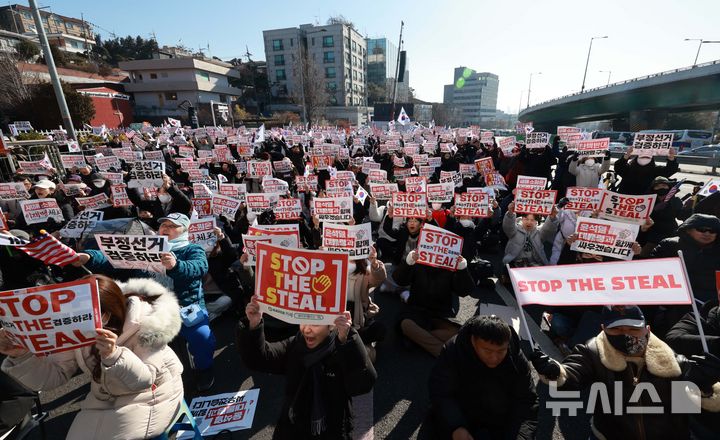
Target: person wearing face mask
638	173
627	353
169	200
135	379
587	171
664	216
325	367
526	241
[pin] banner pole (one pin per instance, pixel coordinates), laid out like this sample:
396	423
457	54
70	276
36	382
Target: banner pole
520	308
701	332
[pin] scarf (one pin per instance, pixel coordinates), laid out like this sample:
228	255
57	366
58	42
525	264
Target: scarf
181	241
312	361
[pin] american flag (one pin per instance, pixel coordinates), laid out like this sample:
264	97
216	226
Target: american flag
49	250
673	191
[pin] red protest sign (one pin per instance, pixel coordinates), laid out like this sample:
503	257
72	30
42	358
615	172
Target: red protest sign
438	247
583	199
485	166
306	183
299	286
54	318
409	205
415	184
530	201
203	206
472	204
626	208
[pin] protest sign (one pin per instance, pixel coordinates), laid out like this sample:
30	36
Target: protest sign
426	171
13	191
506	144
468	170
257	203
564	132
435	162
272	185
708	189
40	210
472	204
583	199
369	166
282	235
186	151
451	176
81	223
146	173
383	191
51	319
234	190
3	221
537	139
72	190
114	178
221	153
202	232
593	147
258	169
485	166
299	286
306	183
440	192
438	248
415	184
249	246
637	282
70	161
652	144
353	240
203	206
119	196
321	162
409	205
495	180
201	190
530	182
106	162
221	412
626	208
133	251
486	137
377	176
530	201
288	209
224	205
339	188
282	166
402	173
333	209
602	237
98	201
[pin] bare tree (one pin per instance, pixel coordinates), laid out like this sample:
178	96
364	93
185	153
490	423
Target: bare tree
12	89
311	90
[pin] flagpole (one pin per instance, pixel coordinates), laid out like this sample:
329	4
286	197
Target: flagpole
397	69
701	332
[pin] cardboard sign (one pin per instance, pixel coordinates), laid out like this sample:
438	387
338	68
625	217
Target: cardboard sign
288	209
506	144
416	184
601	237
52	319
583	199
234	190
299	286
652	144
221	412
257	203
352	240
530	182
626	208
333	209
202	233
306	183
339	188
485	166
13	191
383	191
282	235
202	206
410	205
439	248
106	162
119	196
440	192
593	147
81	223
145	173
70	161
638	282
40	210
224	205
537	140
272	185
133	251
98	201
258	169
529	201
472	204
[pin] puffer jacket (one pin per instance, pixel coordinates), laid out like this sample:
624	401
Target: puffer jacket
637	178
140	387
588	176
516	238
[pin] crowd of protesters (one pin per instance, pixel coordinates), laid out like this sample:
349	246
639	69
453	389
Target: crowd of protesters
481	386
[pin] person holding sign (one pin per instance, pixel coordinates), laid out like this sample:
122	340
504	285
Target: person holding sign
586	171
525	246
638	173
624	354
169	200
136	385
325	365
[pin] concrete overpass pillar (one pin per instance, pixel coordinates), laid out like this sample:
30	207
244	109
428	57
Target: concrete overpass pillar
647	119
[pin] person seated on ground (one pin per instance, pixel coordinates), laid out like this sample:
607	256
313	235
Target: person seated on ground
221	282
626	352
481	386
526	241
685	339
169	200
429	318
136	385
325	365
364	275
638	173
664	216
587	171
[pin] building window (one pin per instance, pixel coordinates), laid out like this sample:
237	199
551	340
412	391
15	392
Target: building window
27	16
328	57
347	73
153	76
354	46
329	72
328	41
291	42
355	74
331	87
139	76
69	25
354	61
277	44
204	75
347	57
171	96
280	75
312	41
279	60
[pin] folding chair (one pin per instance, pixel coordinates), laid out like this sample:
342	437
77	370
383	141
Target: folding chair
179	425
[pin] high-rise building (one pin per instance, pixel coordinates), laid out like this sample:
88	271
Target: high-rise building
474	94
382	65
336	52
67	33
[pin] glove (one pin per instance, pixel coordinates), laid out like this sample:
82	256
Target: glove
704	372
545	365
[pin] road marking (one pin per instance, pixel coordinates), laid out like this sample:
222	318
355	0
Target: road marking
363	409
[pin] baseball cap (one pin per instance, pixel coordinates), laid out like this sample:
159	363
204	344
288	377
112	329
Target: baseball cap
44	184
176	218
617	316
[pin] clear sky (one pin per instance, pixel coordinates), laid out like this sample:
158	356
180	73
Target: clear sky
511	38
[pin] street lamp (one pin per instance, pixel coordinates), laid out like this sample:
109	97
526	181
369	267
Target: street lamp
699	47
530	86
588	61
609	72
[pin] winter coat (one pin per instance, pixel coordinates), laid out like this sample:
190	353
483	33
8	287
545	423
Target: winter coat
598	361
588	176
358	291
636	179
180	203
537	163
466	393
517	234
348	372
664	216
140	387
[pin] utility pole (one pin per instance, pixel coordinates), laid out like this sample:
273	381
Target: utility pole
57	85
397	69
